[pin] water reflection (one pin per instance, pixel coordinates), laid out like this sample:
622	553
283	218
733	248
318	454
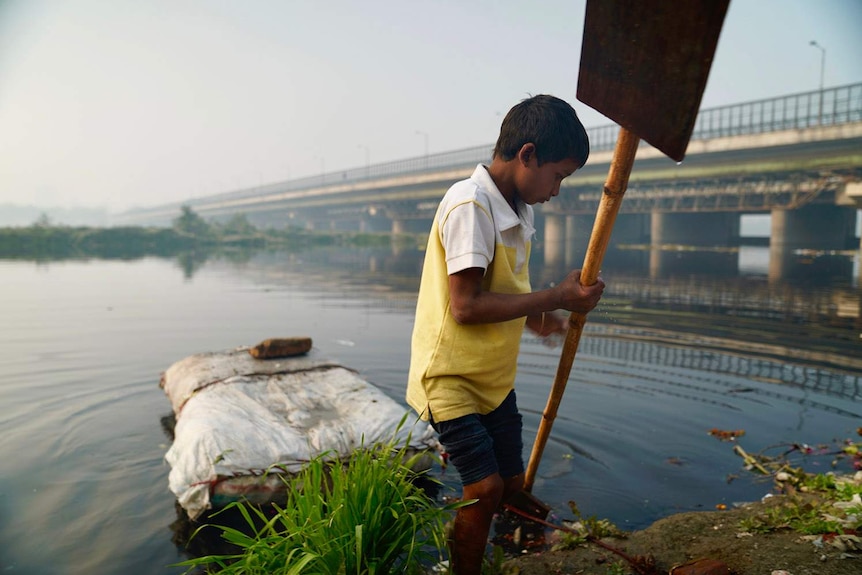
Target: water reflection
703	292
815	267
717	301
663	360
665	356
192	261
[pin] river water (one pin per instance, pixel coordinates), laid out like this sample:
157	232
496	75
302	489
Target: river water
83	483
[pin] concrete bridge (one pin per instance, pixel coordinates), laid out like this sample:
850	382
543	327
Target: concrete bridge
797	157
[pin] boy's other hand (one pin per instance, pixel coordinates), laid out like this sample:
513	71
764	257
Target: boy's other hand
576	297
548	324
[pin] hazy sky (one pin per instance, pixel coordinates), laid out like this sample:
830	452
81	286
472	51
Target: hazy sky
122	103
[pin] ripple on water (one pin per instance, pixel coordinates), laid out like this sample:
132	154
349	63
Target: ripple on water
628	426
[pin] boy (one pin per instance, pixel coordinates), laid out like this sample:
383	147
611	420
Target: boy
474	300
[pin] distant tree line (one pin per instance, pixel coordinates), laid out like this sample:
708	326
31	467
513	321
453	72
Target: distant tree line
190	232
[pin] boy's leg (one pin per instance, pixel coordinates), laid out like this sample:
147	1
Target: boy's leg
481	448
471	451
511	486
472	525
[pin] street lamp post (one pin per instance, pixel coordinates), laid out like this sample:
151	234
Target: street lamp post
367	158
822	69
322	168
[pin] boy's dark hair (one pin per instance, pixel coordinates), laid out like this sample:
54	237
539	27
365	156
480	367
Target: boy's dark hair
548	122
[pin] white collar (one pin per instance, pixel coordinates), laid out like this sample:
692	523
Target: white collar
504	217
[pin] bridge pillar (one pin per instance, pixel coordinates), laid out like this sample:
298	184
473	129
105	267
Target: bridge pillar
566	239
812	227
410	225
671	233
578	230
374	223
695	229
376	219
555	240
632	229
815	227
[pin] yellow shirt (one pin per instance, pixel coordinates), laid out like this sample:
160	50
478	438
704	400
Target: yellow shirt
462	369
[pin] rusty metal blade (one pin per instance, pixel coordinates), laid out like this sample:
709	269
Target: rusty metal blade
644	64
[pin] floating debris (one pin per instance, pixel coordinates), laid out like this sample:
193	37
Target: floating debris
725	435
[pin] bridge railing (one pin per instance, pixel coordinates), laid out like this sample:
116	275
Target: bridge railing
839	105
830	107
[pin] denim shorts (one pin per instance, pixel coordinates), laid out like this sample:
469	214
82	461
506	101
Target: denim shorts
481	445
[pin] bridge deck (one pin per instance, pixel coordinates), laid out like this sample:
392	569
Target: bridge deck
754	156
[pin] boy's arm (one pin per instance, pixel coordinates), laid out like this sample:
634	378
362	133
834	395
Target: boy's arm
547	323
470	304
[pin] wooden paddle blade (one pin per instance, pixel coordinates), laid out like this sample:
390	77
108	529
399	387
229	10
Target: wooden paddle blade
644	64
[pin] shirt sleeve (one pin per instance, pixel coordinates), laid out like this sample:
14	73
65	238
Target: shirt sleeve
467	235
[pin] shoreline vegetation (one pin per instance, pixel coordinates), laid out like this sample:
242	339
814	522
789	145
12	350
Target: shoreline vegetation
45	241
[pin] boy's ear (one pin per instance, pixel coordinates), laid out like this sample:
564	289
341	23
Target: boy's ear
527	153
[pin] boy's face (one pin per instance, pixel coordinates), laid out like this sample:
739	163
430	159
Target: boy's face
538	184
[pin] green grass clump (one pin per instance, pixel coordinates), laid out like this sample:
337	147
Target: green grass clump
585	529
812	503
364	516
804	517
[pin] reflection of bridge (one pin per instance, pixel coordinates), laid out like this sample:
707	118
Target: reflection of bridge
658	356
836	306
798	157
819	324
632	348
718	292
